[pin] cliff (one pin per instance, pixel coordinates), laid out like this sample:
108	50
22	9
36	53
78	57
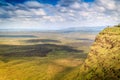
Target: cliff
103	61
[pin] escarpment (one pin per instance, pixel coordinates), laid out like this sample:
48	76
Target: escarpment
103	61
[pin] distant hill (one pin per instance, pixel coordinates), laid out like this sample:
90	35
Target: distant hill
82	29
66	30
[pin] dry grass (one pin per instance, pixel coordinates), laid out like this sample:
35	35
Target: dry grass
55	66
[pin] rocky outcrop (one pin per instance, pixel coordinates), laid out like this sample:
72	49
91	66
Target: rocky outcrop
103	61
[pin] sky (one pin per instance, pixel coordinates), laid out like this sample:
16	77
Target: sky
58	14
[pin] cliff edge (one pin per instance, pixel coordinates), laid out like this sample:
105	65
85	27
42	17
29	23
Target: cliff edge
103	61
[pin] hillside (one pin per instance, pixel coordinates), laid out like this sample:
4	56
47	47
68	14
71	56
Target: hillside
103	61
64	58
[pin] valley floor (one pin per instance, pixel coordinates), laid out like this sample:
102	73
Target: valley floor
42	56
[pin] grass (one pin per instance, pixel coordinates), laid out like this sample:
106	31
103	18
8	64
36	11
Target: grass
103	60
52	56
33	68
45	57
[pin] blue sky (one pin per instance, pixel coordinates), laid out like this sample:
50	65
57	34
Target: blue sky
54	14
52	2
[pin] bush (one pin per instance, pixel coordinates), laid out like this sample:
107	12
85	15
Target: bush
117	25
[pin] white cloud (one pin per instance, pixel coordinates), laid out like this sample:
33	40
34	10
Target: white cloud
70	14
75	5
23	13
108	4
32	4
38	11
53	18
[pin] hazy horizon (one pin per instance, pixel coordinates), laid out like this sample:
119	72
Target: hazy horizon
72	29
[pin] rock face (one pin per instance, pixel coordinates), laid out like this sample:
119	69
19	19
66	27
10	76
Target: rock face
103	61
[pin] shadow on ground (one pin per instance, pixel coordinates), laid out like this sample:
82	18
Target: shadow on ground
42	40
17	36
40	50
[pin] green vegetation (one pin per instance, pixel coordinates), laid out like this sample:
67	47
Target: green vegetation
61	58
17	36
117	25
103	61
40	50
42	40
44	57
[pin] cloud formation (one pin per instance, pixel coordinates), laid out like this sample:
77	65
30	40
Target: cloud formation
66	13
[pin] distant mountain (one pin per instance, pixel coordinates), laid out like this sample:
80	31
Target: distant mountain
66	30
81	29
